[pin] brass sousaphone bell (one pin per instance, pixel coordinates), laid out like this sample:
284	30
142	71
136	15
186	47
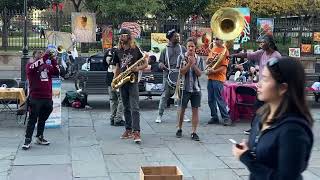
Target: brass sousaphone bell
226	24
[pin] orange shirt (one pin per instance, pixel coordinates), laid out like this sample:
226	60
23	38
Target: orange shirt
222	75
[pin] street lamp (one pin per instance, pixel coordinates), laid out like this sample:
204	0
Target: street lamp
25	51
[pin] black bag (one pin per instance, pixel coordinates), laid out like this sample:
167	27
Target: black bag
24	109
72	96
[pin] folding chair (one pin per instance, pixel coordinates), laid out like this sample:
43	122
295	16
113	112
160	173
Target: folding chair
246	98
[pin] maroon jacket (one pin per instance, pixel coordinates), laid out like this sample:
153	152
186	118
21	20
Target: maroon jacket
39	75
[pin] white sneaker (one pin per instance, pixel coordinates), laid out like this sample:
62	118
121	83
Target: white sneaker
186	119
159	119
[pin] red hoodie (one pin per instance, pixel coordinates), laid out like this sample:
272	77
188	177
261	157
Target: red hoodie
39	75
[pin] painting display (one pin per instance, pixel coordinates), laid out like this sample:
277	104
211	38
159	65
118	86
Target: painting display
60	38
107	35
294	52
265	27
203	37
84	27
245	35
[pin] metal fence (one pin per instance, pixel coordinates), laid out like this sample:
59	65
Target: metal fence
287	31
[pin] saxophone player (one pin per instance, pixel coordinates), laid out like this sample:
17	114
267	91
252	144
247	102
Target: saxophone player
126	55
216	78
190	70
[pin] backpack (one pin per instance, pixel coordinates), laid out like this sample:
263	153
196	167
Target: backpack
73	96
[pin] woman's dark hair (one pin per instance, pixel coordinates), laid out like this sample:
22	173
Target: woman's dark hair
191	39
289	71
270	40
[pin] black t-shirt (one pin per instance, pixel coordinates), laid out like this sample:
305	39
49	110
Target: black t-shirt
126	58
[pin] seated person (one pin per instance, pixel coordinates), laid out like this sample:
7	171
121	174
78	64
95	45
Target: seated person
253	75
240	75
154	64
316	86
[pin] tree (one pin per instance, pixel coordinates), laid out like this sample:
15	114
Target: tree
77	4
8	9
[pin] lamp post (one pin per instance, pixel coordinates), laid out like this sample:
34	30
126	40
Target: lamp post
25	51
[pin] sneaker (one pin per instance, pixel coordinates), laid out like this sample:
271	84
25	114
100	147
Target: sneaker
159	119
40	140
112	122
186	119
136	137
195	137
127	134
27	144
119	123
179	133
247	132
227	122
213	121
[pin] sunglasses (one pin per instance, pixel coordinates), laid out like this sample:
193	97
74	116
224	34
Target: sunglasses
274	66
216	39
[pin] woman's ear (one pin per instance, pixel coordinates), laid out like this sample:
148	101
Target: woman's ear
283	88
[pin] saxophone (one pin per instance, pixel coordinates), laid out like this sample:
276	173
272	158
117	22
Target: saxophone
127	75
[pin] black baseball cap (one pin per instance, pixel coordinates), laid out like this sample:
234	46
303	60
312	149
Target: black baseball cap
124	31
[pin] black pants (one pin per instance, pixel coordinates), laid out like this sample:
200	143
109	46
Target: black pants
40	111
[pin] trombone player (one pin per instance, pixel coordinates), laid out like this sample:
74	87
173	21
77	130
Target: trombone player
216	78
191	67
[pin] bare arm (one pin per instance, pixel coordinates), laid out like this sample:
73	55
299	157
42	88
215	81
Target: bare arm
219	69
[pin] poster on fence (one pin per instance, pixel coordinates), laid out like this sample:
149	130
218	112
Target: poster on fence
84	26
306	48
316	49
60	38
158	41
316	36
265	27
134	28
245	35
294	52
107	37
203	36
54	120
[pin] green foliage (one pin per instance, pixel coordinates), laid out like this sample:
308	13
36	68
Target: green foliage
18	4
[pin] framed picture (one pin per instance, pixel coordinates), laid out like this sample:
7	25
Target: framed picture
306	48
316	49
294	52
316	36
84	26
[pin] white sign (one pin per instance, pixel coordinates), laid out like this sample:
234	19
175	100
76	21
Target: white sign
54	120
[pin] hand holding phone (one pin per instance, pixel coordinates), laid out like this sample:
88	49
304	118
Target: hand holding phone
235	143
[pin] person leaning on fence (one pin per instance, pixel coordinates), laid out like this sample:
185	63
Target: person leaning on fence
281	138
39	74
115	98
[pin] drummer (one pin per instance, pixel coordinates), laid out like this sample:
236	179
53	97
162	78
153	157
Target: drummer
168	62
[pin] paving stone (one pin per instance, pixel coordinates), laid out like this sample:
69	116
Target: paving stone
126	163
124	176
307	175
93	178
315	170
82	136
42	160
201	161
225	174
120	146
88	169
220	149
190	147
232	162
80	122
5	166
40	172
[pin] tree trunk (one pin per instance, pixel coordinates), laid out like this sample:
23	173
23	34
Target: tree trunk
76	5
5	27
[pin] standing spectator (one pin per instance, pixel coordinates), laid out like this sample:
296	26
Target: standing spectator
281	138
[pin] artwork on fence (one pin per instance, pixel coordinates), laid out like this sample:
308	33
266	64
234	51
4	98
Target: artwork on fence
203	37
84	26
245	35
60	38
316	49
294	52
316	36
158	41
107	37
133	27
306	48
265	26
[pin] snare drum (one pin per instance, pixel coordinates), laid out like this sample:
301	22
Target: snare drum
173	77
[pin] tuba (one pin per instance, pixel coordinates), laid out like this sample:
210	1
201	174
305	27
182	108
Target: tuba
226	24
127	75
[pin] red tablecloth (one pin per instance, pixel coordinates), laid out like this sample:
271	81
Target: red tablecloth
229	95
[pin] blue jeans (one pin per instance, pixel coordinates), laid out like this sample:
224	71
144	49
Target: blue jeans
215	97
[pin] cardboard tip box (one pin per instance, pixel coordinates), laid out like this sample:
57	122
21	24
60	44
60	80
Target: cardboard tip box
160	173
